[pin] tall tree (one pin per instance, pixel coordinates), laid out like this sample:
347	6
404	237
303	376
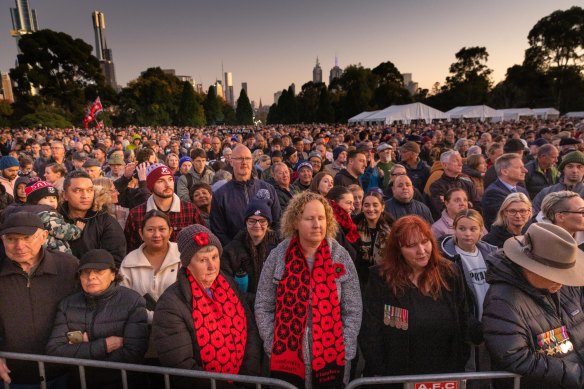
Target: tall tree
358	84
288	107
308	101
325	112
244	112
213	111
190	112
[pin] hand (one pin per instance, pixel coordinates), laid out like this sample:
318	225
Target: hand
85	337
129	170
141	169
80	224
113	343
380	172
4	370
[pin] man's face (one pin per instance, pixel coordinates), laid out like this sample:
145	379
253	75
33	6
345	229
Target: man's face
570	217
93	171
402	188
24	249
199	164
384	155
515	172
164	187
299	146
341	158
36	148
11	173
58	151
216	144
357	164
46	151
547	161
174	146
241	162
453	167
305	176
573	173
282	176
293	158
117	170
79	195
321	150
99	154
316	164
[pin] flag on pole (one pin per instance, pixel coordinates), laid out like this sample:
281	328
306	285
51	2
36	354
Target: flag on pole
95	108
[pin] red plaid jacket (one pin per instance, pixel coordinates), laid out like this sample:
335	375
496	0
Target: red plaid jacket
189	214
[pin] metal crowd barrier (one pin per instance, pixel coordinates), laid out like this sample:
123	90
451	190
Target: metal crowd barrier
125	367
434	381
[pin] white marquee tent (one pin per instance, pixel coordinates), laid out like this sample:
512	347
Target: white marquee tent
404	113
361	117
546	113
513	114
579	114
481	112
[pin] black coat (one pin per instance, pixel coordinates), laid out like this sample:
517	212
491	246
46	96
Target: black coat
515	313
497	236
118	311
175	337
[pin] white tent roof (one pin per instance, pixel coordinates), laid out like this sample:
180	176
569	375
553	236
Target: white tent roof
405	113
513	113
472	112
546	112
579	114
359	118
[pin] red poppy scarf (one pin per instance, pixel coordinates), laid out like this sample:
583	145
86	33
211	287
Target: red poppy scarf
344	219
294	290
220	324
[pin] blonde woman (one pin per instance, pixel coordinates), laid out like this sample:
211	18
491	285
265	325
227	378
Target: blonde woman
106	198
513	216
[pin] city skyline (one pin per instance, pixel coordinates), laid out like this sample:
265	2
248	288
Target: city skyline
269	45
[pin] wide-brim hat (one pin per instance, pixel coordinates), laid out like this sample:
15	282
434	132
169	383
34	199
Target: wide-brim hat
548	251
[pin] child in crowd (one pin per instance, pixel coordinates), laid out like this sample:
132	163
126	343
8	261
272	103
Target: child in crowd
60	232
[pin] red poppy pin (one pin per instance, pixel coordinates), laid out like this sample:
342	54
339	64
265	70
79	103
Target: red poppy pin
201	239
339	270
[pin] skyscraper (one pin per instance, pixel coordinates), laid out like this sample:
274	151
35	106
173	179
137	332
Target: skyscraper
336	71
229	89
317	72
24	20
103	54
6	88
244	87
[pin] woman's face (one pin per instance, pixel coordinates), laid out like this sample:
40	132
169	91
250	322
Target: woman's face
205	267
517	214
372	208
156	233
96	281
257	226
358	197
467	233
482	166
312	224
51	176
458	202
347	202
325	185
417	252
173	162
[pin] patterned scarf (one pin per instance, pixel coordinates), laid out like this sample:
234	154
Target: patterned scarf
220	324
294	290
344	219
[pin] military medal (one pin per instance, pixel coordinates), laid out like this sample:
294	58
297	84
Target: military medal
386	315
555	341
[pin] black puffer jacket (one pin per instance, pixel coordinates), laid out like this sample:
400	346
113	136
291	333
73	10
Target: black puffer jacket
118	311
175	337
515	313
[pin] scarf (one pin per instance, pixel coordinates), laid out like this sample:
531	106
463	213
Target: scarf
344	219
220	324
292	302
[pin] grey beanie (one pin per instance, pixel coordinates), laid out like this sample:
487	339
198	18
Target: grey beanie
193	238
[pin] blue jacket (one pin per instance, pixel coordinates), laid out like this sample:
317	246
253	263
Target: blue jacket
493	197
230	202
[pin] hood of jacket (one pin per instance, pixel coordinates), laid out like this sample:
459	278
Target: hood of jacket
447	246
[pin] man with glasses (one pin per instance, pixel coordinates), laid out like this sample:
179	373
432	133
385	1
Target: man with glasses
510	172
33	280
57	156
565	209
231	200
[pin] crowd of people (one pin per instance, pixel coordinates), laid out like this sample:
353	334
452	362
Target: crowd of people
312	254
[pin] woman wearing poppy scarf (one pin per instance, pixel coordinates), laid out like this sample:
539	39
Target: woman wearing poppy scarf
308	303
201	322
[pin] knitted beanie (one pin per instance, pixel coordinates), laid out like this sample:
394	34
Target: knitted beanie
572	157
154	172
337	151
258	207
183	160
8	162
193	238
36	190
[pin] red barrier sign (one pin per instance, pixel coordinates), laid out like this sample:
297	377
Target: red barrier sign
436	385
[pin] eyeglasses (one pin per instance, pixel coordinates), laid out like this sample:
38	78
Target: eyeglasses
514	212
398	174
253	222
580	212
242	159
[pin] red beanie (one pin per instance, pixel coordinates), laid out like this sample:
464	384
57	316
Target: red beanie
154	172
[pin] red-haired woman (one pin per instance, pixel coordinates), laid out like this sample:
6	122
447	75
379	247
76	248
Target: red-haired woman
414	310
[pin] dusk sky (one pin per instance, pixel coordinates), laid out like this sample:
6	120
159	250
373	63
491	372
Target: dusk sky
272	43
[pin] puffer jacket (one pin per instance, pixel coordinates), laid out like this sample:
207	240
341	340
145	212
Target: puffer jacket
230	202
515	313
118	311
536	179
175	336
182	186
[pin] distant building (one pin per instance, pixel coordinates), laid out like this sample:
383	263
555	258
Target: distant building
103	54
336	71
229	89
6	88
244	87
188	79
170	72
24	20
199	88
293	87
277	97
317	72
219	89
409	84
